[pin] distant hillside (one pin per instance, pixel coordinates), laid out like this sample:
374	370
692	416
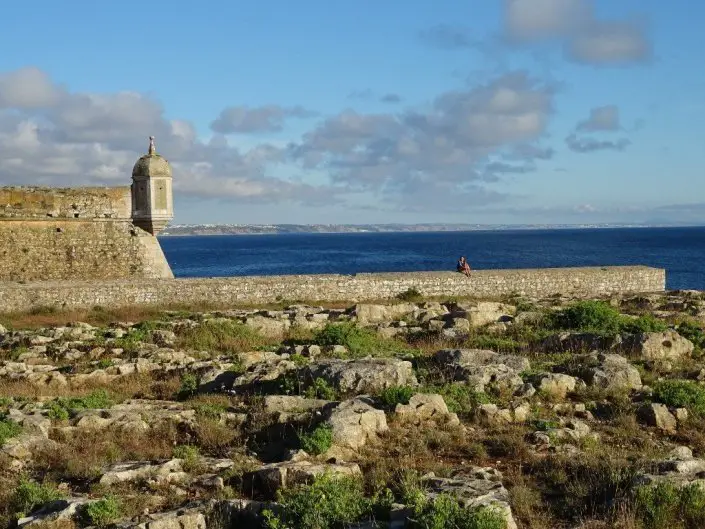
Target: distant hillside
249	229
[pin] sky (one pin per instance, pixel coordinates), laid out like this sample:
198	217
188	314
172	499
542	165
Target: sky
366	111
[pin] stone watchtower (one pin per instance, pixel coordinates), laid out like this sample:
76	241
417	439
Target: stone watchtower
152	199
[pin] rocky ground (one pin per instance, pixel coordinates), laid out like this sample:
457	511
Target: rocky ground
469	414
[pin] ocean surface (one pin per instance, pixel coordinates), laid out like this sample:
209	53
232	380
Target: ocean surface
681	251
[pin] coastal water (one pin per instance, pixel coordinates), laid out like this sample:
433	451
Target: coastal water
681	251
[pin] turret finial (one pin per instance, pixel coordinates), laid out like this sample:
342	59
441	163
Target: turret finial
152	148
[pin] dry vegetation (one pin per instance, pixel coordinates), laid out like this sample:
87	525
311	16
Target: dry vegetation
585	482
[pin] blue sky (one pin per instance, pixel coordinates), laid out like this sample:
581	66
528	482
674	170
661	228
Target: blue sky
490	111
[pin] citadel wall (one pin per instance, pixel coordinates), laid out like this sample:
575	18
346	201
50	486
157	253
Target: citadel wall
86	233
254	290
68	203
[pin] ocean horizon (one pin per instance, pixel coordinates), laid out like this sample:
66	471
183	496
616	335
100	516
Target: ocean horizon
679	250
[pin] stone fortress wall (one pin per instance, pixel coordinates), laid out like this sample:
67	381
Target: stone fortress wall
82	233
258	290
89	232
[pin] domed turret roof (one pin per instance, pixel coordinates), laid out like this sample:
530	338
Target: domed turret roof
151	164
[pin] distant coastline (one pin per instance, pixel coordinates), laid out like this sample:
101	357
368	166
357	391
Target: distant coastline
280	229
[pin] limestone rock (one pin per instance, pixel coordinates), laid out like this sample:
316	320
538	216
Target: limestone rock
367	313
491	414
556	384
485	312
354	422
275	476
482	368
657	415
427	407
362	376
609	371
167	472
480	487
269	327
658	346
64	509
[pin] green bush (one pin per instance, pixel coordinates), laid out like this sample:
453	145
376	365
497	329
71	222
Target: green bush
190	455
330	502
189	385
318	441
600	318
681	394
29	495
59	408
8	429
221	336
459	397
359	341
646	323
320	389
103	512
692	332
396	395
587	316
444	512
666	506
104	363
209	410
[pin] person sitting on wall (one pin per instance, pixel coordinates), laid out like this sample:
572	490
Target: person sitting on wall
463	267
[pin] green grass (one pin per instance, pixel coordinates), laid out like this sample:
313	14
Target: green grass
60	408
8	429
320	389
103	512
459	397
445	512
694	333
189	386
29	495
681	394
222	337
666	506
600	318
330	502
394	395
318	441
360	342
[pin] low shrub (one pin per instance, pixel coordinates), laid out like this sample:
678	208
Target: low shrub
221	336
320	389
666	506
189	386
327	503
692	332
29	495
681	394
459	397
103	512
318	441
444	511
209	410
394	395
359	341
8	429
59	409
600	318
190	456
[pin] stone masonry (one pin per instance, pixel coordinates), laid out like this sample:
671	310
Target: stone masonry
87	233
254	290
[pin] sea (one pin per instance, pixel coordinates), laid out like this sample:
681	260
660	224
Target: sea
681	251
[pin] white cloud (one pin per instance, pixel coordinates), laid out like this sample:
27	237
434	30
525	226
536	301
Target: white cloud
586	38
